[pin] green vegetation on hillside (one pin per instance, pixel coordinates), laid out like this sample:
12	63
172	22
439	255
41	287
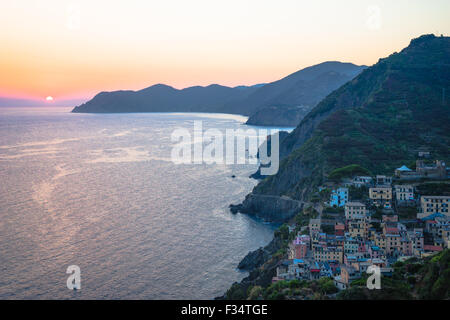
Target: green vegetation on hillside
433	189
348	172
412	279
377	121
358	193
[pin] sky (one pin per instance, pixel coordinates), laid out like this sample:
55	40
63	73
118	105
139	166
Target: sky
72	49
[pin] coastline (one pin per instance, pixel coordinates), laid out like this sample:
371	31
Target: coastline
251	264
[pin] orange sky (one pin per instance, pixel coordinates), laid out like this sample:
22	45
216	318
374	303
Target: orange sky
72	49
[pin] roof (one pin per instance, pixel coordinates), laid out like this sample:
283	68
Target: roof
349	269
433	216
436	197
381	186
392	235
432	248
404	168
376	260
286	262
355	204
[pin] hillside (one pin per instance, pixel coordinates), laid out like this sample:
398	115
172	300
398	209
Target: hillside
289	99
427	279
378	120
414	279
283	116
283	102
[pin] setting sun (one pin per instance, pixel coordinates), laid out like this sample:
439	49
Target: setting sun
49	99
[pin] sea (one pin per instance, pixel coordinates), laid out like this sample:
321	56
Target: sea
101	192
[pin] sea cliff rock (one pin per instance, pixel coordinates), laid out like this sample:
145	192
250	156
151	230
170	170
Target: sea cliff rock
255	259
268	208
286	116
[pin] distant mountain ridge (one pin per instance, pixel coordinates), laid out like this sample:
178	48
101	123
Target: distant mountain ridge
305	87
289	98
163	98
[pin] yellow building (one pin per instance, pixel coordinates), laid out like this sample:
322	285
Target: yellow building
380	194
434	204
314	226
358	228
393	243
328	254
355	210
380	241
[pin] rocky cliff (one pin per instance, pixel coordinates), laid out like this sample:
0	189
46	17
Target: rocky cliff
378	121
269	208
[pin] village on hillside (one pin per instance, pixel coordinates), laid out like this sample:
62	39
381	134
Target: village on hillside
363	221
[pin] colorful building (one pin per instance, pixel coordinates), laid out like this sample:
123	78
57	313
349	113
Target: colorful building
434	204
339	197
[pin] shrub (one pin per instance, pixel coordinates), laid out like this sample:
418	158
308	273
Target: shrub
348	172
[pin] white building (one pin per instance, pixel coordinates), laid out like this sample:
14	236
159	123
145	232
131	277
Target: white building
355	210
404	194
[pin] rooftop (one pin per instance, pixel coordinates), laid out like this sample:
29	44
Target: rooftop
355	204
436	197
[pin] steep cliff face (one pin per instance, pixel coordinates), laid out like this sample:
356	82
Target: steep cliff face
287	101
352	94
378	120
305	87
283	116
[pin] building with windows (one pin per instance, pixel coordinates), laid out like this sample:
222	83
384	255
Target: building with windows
434	204
383	180
417	241
327	253
359	181
339	197
358	228
393	244
380	195
446	237
404	194
437	170
355	210
298	248
314	226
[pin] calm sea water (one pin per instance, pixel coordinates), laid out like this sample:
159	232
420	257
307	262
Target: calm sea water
99	191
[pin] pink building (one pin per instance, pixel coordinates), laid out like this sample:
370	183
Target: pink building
339	229
362	247
406	247
299	247
300	250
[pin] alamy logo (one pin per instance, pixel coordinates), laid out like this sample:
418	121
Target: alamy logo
374	281
74	280
235	146
73	21
374	19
